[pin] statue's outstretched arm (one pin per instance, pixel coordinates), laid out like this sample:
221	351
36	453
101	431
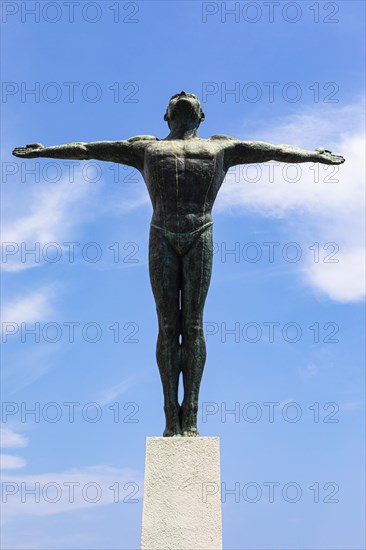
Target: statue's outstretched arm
246	152
122	152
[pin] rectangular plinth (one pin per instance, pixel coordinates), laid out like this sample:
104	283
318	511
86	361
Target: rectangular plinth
182	498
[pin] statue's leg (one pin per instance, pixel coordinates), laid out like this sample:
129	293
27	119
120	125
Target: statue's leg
165	277
197	267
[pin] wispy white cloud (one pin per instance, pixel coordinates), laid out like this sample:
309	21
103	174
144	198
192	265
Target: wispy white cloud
11	462
43	214
23	365
314	211
47	216
47	212
108	395
344	282
31	307
18	315
10	439
68	491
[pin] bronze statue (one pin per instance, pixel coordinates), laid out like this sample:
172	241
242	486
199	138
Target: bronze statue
183	174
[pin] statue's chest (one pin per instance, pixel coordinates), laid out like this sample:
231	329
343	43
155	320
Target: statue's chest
181	156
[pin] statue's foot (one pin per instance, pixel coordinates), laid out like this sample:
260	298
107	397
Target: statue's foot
190	432
171	433
189	421
174	431
172	422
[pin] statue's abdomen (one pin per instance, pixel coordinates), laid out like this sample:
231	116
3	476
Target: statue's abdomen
182	188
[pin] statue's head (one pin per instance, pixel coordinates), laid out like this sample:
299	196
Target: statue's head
186	107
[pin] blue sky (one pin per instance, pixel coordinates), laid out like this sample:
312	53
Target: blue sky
296	314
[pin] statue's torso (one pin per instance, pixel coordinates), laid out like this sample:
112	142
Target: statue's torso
183	178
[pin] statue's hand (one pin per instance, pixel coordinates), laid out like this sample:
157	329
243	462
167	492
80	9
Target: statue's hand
326	157
30	151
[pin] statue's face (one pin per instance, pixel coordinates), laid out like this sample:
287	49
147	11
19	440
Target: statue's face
184	106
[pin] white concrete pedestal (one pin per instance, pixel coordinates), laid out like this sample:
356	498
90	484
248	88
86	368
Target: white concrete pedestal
182	497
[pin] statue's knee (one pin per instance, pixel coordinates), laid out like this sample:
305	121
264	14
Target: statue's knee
170	329
192	328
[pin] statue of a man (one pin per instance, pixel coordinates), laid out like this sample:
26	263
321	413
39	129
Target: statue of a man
183	174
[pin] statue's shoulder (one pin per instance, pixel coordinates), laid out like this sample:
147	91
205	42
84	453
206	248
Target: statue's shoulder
142	138
223	137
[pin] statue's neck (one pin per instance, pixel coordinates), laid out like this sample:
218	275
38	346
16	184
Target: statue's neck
183	132
189	134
